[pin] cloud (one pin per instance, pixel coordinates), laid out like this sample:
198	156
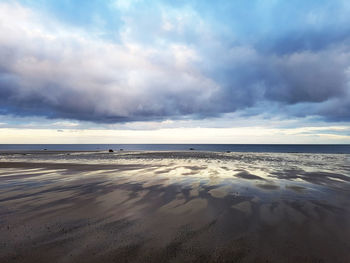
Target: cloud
166	70
67	74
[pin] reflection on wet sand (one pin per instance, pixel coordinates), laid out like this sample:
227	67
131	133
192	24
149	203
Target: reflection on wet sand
174	207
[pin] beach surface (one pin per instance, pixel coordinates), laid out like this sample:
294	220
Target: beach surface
178	206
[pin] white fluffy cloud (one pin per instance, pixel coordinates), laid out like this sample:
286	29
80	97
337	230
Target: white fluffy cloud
48	67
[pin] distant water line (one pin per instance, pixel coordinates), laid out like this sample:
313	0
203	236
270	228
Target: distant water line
273	148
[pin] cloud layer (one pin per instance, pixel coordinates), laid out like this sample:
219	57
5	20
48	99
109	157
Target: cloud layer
173	62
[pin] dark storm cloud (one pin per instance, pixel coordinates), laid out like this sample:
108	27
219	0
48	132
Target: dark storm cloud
59	73
302	77
302	40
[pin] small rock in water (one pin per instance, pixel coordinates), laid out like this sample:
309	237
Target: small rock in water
191	149
110	150
121	149
228	151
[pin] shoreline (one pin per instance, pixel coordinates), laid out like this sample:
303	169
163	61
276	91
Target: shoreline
278	148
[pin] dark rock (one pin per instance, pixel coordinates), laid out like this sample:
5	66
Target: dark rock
191	149
121	149
110	150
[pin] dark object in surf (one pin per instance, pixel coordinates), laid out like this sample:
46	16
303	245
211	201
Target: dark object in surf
228	151
121	149
110	150
45	149
191	149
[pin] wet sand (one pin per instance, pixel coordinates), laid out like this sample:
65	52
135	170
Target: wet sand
174	207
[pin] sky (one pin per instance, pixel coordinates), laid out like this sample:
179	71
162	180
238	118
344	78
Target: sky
175	71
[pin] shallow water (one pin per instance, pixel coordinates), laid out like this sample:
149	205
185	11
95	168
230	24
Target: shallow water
174	207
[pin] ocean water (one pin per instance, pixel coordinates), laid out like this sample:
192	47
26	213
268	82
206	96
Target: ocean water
274	148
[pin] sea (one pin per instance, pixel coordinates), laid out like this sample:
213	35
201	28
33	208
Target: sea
273	148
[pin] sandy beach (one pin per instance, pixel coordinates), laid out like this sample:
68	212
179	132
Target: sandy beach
184	206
